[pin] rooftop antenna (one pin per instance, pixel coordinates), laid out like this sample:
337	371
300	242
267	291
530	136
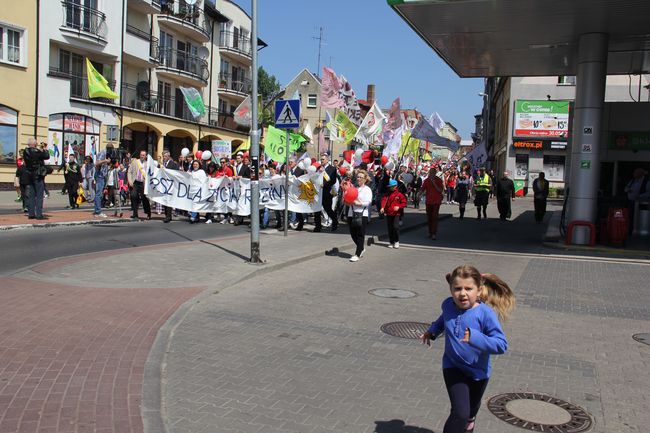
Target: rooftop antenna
320	43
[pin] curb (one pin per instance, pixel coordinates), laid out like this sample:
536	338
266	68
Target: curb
66	223
635	254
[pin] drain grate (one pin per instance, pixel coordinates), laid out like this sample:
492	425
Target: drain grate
405	329
642	338
539	412
393	293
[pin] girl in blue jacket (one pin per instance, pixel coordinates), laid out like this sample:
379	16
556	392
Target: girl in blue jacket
470	322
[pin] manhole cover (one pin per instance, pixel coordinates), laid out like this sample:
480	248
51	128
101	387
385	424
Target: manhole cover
393	293
405	329
539	412
642	338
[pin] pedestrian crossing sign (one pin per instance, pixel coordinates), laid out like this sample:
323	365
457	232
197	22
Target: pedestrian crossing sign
287	113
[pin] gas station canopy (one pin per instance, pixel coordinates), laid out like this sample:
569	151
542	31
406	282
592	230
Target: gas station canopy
488	38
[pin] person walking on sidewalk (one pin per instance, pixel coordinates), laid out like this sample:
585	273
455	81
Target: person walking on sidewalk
433	188
391	205
470	321
168	164
101	173
34	178
482	186
505	189
72	176
137	176
461	193
540	194
358	215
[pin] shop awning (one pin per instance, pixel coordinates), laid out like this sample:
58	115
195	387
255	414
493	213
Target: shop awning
485	38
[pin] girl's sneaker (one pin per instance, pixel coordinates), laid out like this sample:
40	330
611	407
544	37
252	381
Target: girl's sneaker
396	245
470	425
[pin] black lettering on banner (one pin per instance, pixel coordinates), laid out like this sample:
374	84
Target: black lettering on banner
183	190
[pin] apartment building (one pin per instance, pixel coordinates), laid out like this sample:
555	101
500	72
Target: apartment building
147	50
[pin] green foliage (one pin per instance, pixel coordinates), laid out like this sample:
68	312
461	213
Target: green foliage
267	85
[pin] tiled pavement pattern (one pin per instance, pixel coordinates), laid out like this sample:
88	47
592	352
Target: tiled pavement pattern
72	358
294	351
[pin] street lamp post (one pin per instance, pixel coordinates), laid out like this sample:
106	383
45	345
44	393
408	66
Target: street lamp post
255	147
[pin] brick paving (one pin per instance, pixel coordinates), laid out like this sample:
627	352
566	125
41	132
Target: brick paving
72	358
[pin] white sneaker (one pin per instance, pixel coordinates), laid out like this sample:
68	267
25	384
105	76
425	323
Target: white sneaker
223	221
231	221
391	246
208	222
396	245
362	253
100	215
293	225
354	258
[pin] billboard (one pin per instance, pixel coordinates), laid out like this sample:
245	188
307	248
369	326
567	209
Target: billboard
541	119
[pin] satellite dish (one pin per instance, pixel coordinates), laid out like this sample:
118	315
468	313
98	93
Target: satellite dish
190	2
203	52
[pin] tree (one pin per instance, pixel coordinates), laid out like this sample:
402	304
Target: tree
267	85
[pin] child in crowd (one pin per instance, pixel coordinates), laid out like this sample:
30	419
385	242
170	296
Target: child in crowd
470	321
391	205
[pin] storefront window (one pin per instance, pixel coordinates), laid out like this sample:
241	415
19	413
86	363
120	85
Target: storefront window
72	134
521	166
554	167
8	135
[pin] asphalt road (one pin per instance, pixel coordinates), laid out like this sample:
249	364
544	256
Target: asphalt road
22	248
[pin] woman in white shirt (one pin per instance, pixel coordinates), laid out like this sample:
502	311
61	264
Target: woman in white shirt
358	215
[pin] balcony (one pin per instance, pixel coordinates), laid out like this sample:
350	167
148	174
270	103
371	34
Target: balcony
237	88
181	66
84	22
140	47
185	19
79	86
142	99
147	7
235	46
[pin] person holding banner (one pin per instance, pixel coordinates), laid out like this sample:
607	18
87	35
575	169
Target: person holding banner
242	170
168	164
358	215
330	179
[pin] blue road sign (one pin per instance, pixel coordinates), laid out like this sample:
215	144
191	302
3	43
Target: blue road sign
287	113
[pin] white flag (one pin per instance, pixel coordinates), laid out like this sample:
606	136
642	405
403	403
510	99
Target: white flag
436	121
308	132
242	114
394	142
477	157
371	126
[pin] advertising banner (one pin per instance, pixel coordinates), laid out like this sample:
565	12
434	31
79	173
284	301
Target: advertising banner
540	119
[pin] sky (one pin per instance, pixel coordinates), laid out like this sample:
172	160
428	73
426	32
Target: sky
368	43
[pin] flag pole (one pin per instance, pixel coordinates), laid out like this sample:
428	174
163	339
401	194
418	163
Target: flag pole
255	147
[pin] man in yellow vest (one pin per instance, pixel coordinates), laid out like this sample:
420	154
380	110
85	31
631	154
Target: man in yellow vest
482	187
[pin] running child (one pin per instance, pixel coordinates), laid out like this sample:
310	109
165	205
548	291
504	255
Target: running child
470	322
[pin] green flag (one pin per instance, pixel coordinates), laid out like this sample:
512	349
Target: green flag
194	101
346	129
409	146
97	84
275	145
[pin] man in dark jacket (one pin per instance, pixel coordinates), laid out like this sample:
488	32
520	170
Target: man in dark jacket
241	170
330	176
540	191
34	175
505	191
169	164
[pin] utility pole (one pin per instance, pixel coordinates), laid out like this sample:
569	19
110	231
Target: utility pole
255	148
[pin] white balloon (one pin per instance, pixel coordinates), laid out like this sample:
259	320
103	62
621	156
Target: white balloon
206	155
358	154
185	151
301	165
311	169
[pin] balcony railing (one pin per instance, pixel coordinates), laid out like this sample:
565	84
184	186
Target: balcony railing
154	49
79	85
235	42
154	102
189	14
182	61
239	85
84	19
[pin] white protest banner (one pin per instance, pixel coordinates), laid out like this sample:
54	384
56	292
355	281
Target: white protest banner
477	157
196	192
221	149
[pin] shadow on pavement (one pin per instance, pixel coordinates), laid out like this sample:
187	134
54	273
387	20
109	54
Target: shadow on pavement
398	426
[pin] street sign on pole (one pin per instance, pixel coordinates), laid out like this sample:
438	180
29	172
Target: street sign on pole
287	113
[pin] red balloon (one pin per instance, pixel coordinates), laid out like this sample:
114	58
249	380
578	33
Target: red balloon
350	195
343	170
366	157
347	155
198	154
384	160
313	161
316	164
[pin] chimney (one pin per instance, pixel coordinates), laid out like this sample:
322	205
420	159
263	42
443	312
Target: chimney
370	94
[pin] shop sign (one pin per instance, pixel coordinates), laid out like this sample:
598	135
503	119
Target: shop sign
74	123
541	119
639	140
539	144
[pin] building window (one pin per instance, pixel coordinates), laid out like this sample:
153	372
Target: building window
312	100
566	80
12	40
554	167
8	134
72	134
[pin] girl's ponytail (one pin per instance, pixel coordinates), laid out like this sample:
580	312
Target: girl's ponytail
498	295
